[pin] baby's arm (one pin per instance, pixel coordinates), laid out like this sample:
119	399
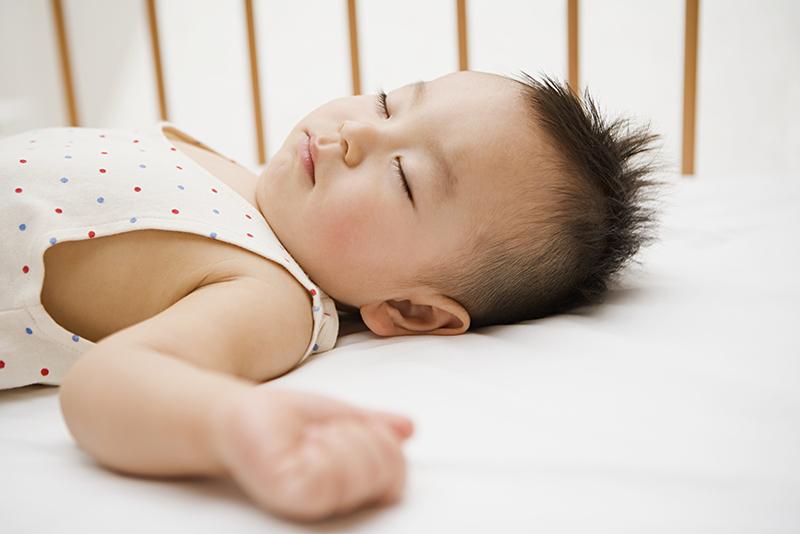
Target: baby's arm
143	412
177	395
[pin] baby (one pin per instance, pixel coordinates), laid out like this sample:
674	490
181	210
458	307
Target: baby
144	279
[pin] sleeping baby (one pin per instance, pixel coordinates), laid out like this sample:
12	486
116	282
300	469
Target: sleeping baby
158	282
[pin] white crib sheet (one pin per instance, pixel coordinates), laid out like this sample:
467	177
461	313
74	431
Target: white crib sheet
673	407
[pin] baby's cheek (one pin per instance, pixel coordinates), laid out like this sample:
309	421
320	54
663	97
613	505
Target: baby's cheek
345	233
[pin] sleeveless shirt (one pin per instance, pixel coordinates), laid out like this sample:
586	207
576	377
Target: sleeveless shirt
64	184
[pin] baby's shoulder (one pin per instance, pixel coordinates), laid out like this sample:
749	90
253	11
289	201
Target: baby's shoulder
280	289
243	263
248	316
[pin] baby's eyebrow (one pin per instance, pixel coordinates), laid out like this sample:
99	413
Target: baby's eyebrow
446	183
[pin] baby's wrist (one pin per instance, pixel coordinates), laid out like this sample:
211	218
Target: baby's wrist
219	427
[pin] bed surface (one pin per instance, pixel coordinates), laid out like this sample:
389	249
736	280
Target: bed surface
672	407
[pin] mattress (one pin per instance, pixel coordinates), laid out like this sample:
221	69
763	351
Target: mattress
673	406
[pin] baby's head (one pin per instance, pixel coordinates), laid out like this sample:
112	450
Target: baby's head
523	202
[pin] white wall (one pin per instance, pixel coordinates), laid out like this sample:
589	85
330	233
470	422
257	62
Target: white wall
631	61
29	75
749	88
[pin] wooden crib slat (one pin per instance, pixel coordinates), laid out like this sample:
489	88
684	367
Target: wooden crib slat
355	66
689	85
66	68
256	86
572	45
156	48
461	15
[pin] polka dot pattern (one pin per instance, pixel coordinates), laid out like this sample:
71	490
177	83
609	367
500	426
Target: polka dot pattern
103	184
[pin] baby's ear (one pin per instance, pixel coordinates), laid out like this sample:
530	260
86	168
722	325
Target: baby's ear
435	315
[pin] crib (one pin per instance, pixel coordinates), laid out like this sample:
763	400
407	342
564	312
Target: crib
670	407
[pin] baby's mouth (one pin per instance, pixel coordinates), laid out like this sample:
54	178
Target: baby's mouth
306	157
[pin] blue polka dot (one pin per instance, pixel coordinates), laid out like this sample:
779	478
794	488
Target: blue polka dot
216	211
315	347
181	187
213	235
75	339
53	240
28	331
67	157
22	227
64	179
142	165
133	219
100	200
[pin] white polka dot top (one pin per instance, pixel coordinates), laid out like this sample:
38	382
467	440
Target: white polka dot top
63	184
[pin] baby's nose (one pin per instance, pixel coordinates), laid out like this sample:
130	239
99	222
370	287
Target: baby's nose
326	139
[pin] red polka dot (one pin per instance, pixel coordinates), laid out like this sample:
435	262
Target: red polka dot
179	167
91	234
102	171
25	269
214	190
173	148
247	215
59	210
249	234
45	371
18	190
137	188
175	211
2	364
313	291
104	152
135	140
23	161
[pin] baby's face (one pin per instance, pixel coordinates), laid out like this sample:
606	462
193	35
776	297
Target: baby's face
464	143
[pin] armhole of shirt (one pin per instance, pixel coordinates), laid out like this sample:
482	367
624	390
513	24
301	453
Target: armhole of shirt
171	130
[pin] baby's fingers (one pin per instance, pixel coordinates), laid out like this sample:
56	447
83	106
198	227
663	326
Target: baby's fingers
402	426
339	468
366	457
388	441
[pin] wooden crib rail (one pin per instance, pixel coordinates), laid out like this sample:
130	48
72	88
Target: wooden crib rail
572	8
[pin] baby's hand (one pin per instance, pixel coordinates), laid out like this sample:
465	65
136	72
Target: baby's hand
306	456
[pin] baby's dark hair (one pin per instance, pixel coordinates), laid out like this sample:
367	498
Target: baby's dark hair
596	218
